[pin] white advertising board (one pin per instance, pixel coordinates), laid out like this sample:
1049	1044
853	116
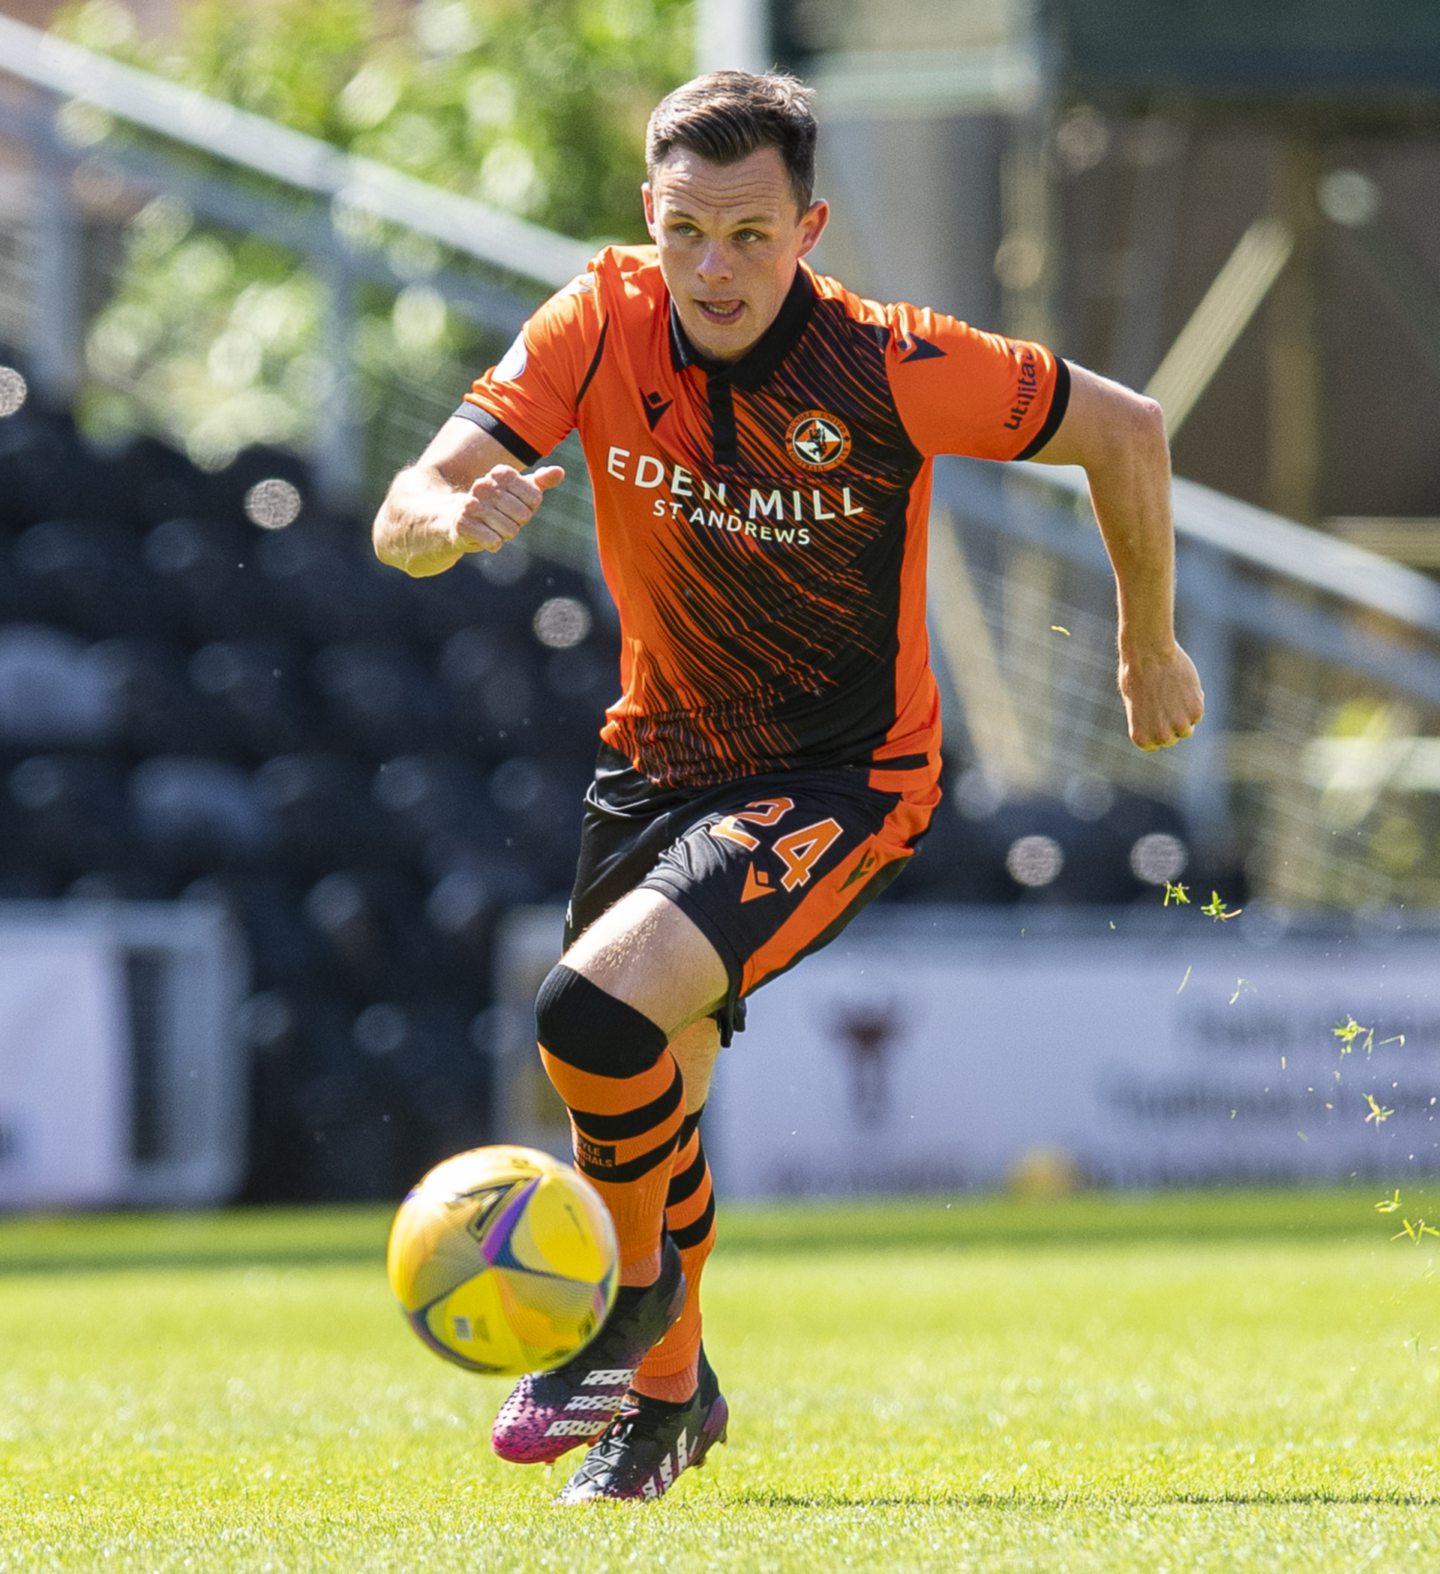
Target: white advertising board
929	1049
64	1103
923	1052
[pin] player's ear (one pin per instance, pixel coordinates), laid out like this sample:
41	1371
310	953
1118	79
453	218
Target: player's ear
647	196
812	225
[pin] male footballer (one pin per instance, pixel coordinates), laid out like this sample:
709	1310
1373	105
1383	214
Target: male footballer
760	442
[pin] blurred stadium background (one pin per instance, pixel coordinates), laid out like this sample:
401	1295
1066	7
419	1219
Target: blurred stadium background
281	832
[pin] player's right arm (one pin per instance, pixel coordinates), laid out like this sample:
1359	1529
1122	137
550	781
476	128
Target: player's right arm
465	493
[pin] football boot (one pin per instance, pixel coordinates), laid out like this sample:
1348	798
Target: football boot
649	1443
549	1413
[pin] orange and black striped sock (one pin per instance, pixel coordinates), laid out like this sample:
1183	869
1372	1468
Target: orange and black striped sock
610	1065
672	1369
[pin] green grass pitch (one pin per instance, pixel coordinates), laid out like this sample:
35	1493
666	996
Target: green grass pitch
1193	1382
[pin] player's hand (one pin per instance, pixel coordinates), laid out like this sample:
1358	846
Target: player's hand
1163	698
499	506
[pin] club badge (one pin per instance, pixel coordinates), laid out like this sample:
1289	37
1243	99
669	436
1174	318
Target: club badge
818	441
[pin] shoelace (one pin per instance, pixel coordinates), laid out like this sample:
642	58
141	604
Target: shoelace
634	1423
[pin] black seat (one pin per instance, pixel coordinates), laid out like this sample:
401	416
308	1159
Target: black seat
380	700
46	469
87	574
330	593
198	815
491	682
50	696
461	913
266	909
322	810
72	813
205	572
368	925
156	709
537	802
257	690
429	796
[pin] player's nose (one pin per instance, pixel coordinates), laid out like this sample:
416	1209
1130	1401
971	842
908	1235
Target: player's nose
715	262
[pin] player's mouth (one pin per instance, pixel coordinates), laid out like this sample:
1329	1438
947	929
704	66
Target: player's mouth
722	313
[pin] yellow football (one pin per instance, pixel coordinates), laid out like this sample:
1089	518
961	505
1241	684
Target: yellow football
504	1260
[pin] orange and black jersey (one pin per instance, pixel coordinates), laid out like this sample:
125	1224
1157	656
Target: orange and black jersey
761	524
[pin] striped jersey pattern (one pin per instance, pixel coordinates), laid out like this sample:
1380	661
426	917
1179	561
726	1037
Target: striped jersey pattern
761	524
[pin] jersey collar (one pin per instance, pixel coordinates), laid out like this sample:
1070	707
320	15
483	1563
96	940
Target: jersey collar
765	356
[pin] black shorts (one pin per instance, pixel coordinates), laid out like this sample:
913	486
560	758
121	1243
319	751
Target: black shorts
769	869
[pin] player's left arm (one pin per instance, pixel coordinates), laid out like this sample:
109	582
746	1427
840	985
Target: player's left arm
1118	437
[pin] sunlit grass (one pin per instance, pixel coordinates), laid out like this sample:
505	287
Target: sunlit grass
1194	1382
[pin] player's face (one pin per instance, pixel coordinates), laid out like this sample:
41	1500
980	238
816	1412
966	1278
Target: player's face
730	236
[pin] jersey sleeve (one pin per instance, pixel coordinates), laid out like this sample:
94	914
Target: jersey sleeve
962	391
528	400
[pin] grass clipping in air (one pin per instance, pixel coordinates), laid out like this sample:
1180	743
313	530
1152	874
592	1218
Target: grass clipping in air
1237	1381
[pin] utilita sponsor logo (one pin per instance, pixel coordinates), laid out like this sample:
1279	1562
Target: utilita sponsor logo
780	514
1026	388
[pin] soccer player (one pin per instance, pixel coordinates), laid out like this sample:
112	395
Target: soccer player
760	442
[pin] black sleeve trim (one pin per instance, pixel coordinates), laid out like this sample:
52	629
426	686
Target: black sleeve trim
594	361
1059	401
506	436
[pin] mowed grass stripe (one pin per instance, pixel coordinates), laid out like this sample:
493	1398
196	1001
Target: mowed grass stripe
1106	1403
277	1236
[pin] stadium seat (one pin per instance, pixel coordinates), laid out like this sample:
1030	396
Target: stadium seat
381	701
367	922
50	695
324	1124
198	815
421	1054
492	685
482	590
134	884
265	909
255	690
328	592
85	573
428	796
322	810
207	578
537	801
72	815
461	912
47	470
147	481
156	710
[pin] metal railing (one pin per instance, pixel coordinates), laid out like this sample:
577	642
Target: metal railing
334	210
1314	766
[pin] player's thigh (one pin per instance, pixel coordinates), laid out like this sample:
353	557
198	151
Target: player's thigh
696	1048
645	951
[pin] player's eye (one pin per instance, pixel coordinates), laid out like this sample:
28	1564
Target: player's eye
749	235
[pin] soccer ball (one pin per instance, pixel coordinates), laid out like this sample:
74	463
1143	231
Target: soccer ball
504	1260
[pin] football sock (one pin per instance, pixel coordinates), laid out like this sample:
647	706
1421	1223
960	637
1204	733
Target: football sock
671	1371
610	1065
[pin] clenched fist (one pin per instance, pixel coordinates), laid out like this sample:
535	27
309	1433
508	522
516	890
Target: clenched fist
499	505
1163	698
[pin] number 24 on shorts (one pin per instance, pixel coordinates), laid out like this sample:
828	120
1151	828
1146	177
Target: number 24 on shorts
799	851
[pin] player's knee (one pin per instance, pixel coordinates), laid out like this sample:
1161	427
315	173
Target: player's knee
580	1023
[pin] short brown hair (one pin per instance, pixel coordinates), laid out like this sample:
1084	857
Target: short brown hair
728	115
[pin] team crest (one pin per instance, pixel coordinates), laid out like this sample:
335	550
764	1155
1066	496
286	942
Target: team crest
818	441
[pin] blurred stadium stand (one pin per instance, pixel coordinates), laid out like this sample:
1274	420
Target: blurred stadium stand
209	689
